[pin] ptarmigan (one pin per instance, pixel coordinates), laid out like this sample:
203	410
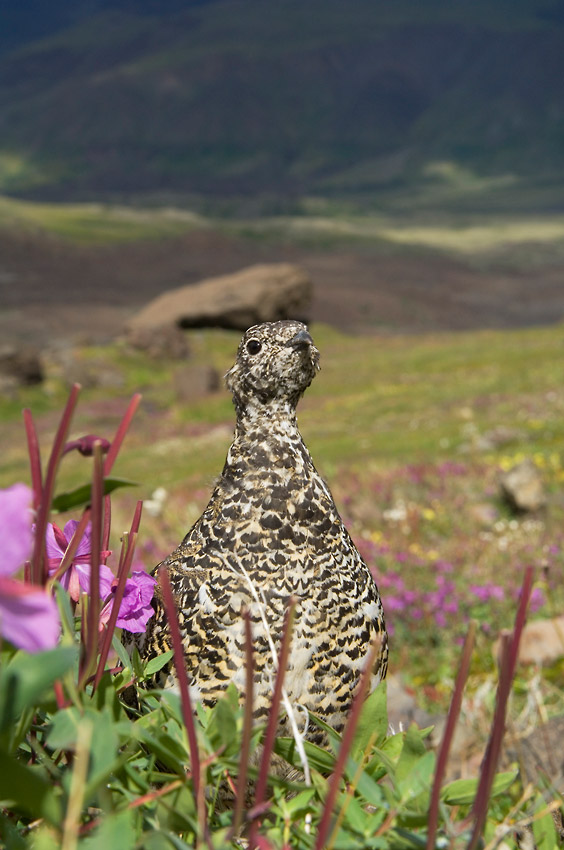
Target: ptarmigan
271	531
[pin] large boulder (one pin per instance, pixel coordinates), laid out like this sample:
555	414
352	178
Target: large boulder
522	487
263	293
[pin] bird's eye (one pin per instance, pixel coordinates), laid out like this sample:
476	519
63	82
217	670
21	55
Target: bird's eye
254	346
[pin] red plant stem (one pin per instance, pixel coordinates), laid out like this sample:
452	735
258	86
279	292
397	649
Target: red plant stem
97	503
508	662
126	557
34	458
346	744
272	725
39	566
59	694
183	684
247	725
107	526
120	433
452	719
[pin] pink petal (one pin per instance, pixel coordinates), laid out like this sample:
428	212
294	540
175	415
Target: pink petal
84	546
106	578
54	551
15	527
28	617
136	621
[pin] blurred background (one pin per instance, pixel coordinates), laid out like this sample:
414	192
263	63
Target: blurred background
407	160
410	152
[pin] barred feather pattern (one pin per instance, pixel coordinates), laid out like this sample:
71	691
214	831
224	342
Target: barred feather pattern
271	531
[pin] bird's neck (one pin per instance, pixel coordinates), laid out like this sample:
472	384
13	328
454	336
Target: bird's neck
267	438
276	417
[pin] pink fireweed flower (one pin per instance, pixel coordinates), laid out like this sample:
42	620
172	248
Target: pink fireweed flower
135	609
77	578
29	618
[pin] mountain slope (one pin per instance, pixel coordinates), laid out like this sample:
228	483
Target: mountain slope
242	97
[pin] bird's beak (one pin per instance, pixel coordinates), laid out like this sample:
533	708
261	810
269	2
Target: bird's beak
301	340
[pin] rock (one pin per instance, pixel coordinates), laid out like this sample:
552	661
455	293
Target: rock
542	641
193	382
402	707
20	366
263	293
167	341
522	487
498	437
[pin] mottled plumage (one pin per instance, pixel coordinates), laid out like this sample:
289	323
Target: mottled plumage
270	531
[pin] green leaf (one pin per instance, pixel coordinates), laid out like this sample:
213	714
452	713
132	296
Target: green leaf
412	750
299	805
28	790
368	788
63	729
136	663
158	662
121	651
318	759
543	827
222	726
82	495
373	721
417	783
461	792
27	677
115	832
104	753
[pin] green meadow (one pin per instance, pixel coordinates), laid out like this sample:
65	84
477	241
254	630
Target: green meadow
412	434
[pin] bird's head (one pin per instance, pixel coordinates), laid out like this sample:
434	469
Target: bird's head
275	362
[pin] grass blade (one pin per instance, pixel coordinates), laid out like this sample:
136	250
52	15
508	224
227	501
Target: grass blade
39	568
247	726
268	745
186	702
452	719
346	744
508	662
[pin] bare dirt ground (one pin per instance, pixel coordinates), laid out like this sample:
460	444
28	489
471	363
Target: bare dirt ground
52	290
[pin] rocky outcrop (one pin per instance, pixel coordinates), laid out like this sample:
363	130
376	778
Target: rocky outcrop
164	342
542	641
522	487
263	293
19	366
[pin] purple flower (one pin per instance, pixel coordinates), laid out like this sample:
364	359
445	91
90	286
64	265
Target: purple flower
135	609
486	592
28	615
538	599
77	578
394	603
15	519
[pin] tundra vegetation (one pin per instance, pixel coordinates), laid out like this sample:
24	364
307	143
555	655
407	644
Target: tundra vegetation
413	434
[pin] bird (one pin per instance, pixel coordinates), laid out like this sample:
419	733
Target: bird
270	533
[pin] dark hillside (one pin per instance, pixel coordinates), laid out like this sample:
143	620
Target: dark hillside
237	97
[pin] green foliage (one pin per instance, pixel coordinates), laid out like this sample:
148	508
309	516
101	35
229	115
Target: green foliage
97	757
81	496
136	788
